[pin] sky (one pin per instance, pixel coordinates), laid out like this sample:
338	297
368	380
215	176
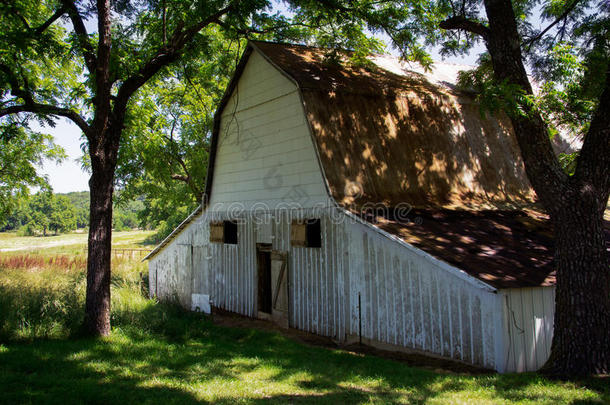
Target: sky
68	175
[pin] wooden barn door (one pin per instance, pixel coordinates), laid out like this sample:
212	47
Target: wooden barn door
279	285
264	283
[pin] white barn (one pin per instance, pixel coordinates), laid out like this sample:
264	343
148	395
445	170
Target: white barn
371	203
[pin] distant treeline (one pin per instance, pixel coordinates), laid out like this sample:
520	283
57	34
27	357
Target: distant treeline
45	212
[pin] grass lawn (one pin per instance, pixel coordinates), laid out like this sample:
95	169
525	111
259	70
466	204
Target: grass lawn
212	364
158	353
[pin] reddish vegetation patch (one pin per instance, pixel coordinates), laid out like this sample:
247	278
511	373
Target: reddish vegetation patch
27	261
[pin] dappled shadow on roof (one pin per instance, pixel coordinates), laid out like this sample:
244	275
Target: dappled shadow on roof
390	140
387	138
505	249
502	248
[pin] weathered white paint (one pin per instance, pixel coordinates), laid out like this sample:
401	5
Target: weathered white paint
409	299
528	329
265	154
170	275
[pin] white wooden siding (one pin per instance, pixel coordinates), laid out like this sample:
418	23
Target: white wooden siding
408	298
412	300
265	152
528	330
318	277
170	274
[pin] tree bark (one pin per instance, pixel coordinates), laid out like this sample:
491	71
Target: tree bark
101	186
581	340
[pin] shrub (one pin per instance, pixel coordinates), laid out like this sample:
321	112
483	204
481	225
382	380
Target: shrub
26	230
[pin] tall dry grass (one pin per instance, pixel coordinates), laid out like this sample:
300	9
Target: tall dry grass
36	261
43	296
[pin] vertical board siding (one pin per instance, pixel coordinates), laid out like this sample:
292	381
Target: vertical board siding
171	272
233	269
529	314
317	276
409	300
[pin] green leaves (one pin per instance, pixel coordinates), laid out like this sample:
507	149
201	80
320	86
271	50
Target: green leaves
164	150
46	211
491	95
41	63
21	152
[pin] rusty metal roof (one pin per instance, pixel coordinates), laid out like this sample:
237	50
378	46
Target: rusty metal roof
505	249
391	138
502	248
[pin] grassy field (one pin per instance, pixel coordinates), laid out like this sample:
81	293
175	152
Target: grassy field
158	353
67	243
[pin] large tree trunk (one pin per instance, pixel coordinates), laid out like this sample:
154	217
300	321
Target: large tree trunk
101	185
581	341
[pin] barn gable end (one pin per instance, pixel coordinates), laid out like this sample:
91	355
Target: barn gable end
264	155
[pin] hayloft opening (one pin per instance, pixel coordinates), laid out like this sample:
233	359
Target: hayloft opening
230	232
306	233
224	232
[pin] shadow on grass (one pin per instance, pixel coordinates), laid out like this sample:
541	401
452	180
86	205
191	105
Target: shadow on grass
167	356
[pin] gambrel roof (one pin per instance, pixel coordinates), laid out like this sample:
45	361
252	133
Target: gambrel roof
391	138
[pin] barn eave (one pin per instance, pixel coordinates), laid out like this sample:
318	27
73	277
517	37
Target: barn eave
174	233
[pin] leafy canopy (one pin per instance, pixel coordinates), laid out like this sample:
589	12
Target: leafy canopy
22	152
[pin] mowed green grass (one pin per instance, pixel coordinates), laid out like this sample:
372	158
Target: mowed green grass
158	353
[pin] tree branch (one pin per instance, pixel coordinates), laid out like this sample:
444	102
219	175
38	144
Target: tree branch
463	23
194	87
247	31
164	56
47	109
563	15
31	106
16	89
81	34
187	179
50	21
593	166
